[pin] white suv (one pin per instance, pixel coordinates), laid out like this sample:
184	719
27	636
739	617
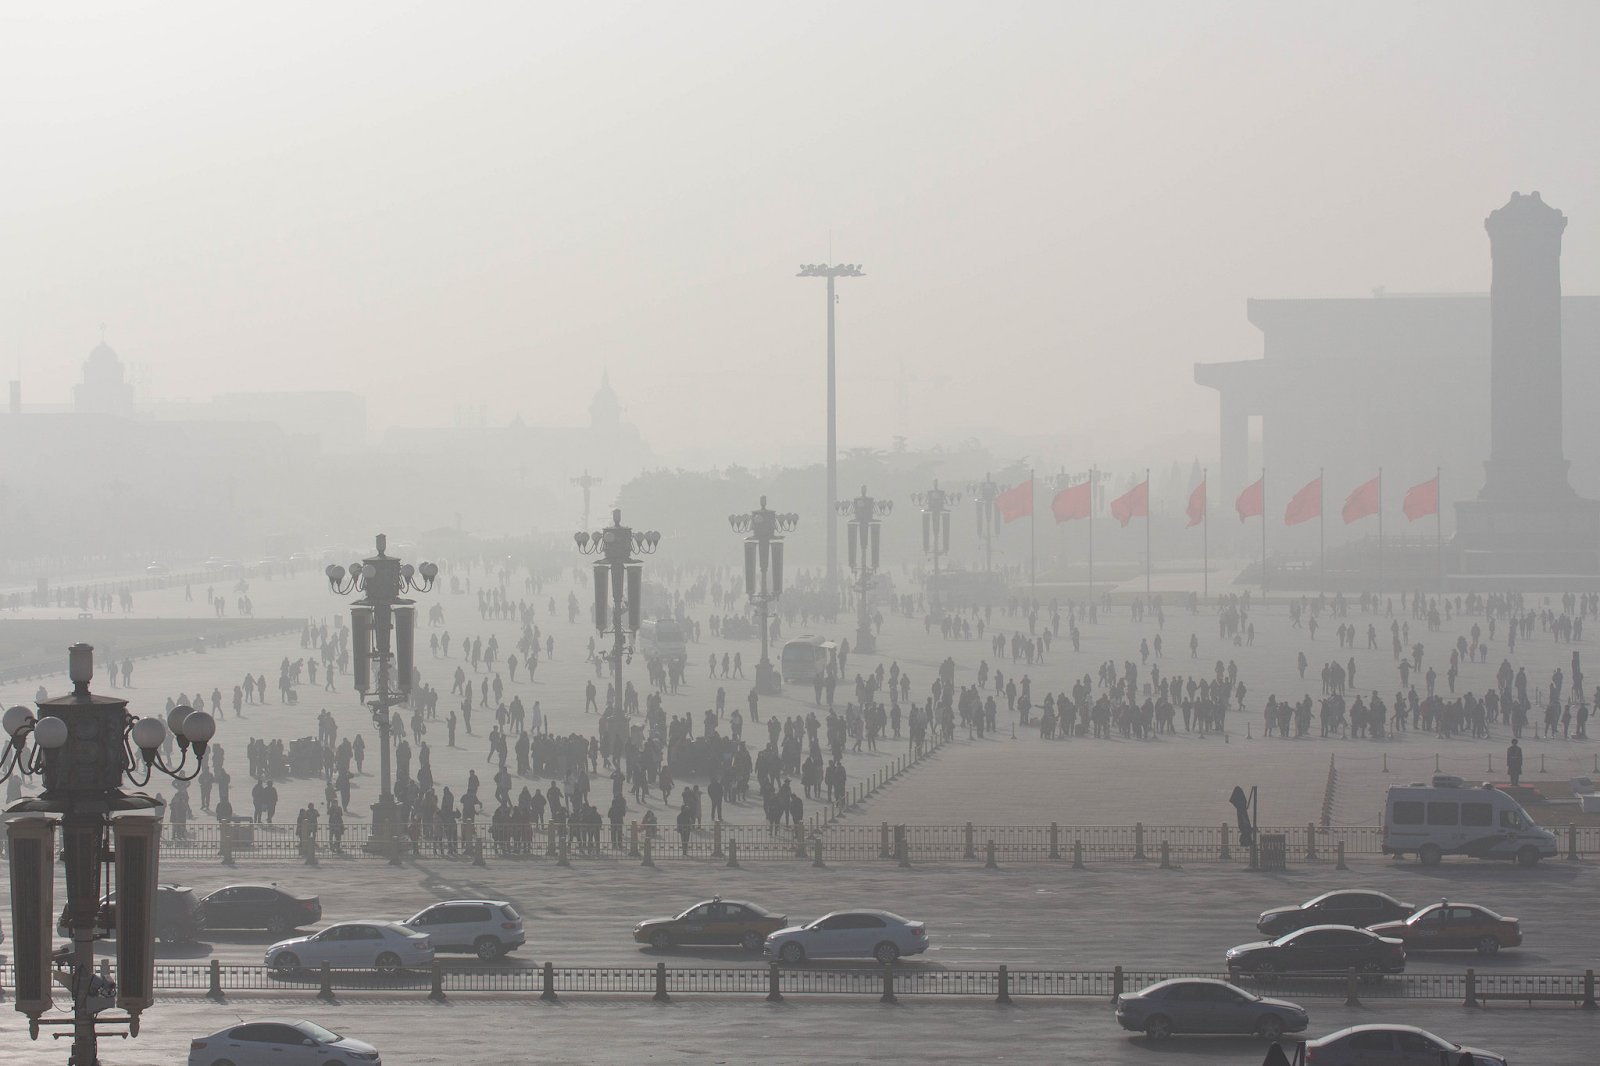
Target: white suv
486	928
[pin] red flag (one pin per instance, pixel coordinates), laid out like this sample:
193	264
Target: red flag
1016	502
1252	501
1422	499
1072	502
1306	504
1362	502
1197	504
1135	503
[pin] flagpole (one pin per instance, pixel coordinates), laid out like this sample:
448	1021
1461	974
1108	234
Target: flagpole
1380	531
1438	525
1263	536
1033	588
1147	532
1091	538
1322	539
1205	535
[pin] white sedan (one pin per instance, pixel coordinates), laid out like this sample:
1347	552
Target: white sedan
285	1042
849	935
382	946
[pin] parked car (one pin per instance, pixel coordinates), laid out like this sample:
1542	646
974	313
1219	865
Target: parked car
156	568
1454	926
877	935
1390	1045
279	1041
486	928
1201	1005
1320	949
1359	907
714	921
175	916
383	946
258	907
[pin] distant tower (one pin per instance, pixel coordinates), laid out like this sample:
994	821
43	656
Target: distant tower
105	389
605	411
1527	519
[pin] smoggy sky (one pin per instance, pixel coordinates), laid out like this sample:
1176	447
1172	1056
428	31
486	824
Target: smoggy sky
1060	206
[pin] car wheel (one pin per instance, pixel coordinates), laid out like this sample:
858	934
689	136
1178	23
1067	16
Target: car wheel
1270	1027
661	940
1371	973
752	942
387	963
1265	970
1488	945
278	925
793	953
1528	857
488	948
1158	1027
886	953
1430	854
285	962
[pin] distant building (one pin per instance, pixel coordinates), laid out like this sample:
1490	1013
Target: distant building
105	389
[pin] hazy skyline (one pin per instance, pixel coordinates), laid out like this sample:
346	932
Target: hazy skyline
1059	208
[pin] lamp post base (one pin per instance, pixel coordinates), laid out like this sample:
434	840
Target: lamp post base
866	643
768	681
385	824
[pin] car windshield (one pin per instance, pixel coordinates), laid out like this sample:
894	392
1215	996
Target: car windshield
318	1033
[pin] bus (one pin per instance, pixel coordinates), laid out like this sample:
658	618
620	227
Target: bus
806	658
662	638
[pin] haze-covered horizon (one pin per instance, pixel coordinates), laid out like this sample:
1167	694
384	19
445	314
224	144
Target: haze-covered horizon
1059	209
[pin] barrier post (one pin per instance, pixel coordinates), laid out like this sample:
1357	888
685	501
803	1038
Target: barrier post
774	993
733	854
1472	988
1224	855
1572	842
988	862
325	993
1340	853
1116	983
1004	998
1077	854
1351	999
550	838
648	861
970	852
661	984
436	993
1311	841
548	993
905	852
633	841
1166	856
1055	841
477	852
799	841
215	991
1588	990
888	986
816	855
563	860
716	840
1385	762
225	832
883	841
1138	841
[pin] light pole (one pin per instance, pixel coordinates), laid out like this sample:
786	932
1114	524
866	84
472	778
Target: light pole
383	628
83	745
763	576
935	504
838	270
618	588
587	483
863	513
983	497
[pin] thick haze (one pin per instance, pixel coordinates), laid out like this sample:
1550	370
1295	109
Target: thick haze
1061	207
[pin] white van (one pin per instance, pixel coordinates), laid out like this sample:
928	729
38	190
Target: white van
662	638
1448	818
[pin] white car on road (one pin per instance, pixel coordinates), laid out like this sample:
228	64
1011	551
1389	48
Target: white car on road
877	935
488	928
382	946
280	1042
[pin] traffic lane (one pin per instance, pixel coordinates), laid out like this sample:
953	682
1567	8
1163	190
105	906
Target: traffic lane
802	1029
1040	916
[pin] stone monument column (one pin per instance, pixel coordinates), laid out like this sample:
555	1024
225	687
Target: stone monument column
1527	522
1526	460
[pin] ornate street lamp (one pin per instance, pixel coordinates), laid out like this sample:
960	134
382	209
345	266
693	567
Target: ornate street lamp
588	483
81	746
763	576
837	270
863	513
936	504
383	628
983	497
618	588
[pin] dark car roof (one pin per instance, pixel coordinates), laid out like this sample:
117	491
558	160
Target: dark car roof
1353	892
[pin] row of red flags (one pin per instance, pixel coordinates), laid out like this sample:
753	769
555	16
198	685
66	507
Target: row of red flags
1075	501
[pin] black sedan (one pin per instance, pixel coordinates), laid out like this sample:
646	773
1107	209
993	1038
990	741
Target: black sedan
258	907
1202	1005
1358	907
1320	949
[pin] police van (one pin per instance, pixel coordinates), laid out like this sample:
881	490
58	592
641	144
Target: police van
662	638
1449	818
